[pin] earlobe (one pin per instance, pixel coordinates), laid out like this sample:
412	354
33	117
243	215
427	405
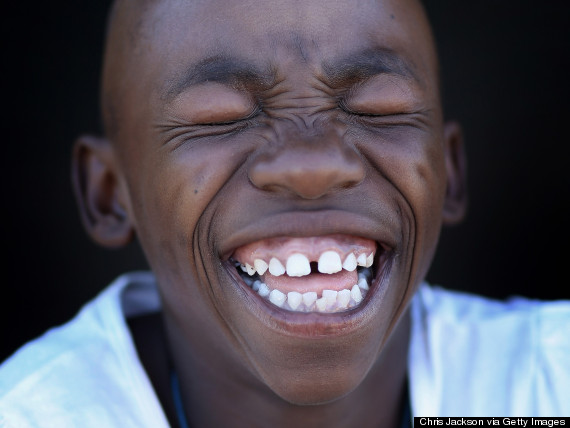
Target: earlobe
455	205
99	192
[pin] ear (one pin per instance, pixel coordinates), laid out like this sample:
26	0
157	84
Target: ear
455	205
100	193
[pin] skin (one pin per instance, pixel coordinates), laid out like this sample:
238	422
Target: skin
230	122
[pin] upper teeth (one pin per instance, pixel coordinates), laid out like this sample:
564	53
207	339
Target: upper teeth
250	269
349	263
275	267
298	264
329	262
260	266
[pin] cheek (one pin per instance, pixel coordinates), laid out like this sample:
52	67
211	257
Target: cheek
427	193
424	190
423	182
412	162
173	193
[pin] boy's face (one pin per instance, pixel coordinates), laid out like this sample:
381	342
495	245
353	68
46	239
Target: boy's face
235	123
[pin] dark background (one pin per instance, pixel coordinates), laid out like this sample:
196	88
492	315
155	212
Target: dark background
505	73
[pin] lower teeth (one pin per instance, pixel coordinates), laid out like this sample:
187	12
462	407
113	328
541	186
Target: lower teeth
330	301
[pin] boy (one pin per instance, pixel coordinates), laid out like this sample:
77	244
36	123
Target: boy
287	169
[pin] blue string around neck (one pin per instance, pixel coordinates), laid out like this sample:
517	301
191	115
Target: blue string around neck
180	414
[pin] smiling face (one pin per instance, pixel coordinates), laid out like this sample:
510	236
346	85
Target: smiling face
300	141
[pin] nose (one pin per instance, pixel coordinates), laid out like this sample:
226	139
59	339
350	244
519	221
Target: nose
308	166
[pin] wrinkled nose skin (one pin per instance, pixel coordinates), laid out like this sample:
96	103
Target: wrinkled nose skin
308	166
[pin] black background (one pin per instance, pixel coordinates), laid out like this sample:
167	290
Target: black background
505	73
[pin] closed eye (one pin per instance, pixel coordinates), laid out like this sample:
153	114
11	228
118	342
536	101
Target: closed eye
370	114
177	132
346	109
230	122
391	118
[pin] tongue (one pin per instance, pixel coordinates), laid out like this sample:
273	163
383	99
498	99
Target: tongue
314	282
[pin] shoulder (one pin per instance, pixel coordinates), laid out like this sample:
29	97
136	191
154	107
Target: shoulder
487	357
78	374
447	306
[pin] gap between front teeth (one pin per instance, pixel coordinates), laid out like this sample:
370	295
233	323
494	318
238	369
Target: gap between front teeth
298	264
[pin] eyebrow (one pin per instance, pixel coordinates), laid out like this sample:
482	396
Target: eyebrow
361	65
222	69
352	68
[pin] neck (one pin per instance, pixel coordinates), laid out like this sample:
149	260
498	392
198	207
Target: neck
213	395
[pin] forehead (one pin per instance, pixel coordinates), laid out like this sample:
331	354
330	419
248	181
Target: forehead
155	46
268	32
219	22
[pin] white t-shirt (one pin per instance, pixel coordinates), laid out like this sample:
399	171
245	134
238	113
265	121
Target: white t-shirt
472	356
469	356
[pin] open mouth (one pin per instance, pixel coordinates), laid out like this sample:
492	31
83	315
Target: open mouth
325	274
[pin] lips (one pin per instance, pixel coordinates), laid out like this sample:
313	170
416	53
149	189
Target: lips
341	218
322	274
